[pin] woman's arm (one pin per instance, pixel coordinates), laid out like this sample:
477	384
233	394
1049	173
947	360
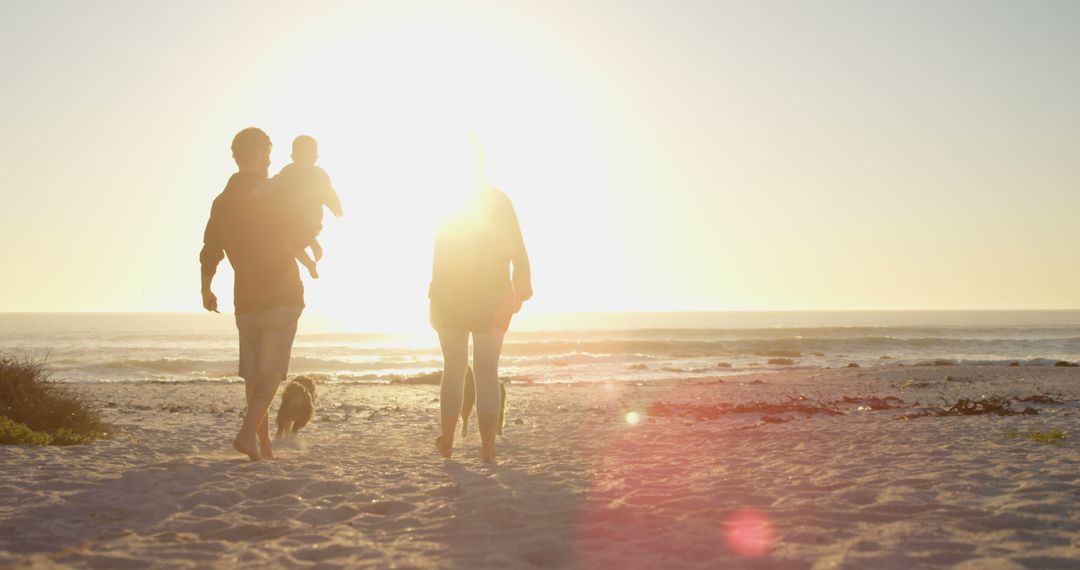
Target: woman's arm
519	257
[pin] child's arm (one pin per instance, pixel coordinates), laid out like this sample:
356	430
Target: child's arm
329	197
332	201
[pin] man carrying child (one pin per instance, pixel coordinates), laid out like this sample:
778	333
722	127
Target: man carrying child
259	238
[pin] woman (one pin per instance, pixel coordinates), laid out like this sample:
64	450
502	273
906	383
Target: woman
472	291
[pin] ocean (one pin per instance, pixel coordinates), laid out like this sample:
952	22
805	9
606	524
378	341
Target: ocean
138	347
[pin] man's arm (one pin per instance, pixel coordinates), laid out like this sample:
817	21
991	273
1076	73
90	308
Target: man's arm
213	251
209	300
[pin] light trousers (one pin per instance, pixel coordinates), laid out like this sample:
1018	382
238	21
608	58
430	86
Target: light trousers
455	348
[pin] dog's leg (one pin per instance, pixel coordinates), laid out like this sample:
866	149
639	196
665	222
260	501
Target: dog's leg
502	408
468	400
281	427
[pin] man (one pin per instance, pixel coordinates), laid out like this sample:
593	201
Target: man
268	294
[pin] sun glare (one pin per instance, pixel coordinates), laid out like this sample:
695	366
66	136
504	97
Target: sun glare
410	120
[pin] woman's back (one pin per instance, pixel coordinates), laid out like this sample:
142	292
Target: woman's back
474	249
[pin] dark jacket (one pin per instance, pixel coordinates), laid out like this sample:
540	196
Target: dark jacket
248	232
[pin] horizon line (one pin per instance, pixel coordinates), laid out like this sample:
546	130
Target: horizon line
601	312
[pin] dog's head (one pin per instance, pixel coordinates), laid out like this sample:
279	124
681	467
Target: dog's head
308	385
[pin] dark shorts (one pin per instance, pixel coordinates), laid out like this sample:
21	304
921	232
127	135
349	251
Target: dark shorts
447	315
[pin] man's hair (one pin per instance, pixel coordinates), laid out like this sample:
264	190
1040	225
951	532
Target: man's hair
249	142
305	146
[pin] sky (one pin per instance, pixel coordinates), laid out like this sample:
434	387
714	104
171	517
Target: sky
685	155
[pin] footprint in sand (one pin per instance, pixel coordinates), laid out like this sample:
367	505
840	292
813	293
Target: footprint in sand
276	488
388	508
323	516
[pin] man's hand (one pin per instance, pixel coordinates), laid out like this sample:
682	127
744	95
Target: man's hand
209	300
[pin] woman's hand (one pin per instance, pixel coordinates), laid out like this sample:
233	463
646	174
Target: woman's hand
519	300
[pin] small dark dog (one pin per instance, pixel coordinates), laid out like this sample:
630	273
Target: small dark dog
297	406
470	400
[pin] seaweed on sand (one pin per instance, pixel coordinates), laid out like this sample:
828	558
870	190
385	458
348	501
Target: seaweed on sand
874	403
992	405
715	411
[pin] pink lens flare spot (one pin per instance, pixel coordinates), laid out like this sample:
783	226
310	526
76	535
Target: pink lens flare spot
749	534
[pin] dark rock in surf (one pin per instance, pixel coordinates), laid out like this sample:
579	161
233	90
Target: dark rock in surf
1065	364
781	361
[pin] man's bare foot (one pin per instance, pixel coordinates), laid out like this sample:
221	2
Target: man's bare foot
445	446
247	447
266	450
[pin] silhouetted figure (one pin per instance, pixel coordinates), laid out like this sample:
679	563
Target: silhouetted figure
305	188
472	291
268	294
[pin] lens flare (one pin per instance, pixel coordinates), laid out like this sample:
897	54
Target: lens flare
749	534
633	418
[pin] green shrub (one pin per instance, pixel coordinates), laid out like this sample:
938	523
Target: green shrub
12	432
28	399
1055	437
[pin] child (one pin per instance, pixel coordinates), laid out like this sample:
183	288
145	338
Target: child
306	189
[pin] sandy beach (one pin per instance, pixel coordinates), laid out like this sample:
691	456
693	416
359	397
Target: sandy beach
816	469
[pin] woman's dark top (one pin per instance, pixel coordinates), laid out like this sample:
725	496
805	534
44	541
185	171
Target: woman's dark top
471	284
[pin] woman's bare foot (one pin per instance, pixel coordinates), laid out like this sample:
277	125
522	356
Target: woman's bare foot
247	446
266	450
487	437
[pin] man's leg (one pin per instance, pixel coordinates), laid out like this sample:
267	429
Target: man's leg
254	436
278	331
249	327
263	433
266	450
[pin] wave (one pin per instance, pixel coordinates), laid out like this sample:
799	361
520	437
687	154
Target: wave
794	346
216	368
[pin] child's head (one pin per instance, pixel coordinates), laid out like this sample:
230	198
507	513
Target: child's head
305	150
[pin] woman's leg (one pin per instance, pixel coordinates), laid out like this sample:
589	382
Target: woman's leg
455	349
486	349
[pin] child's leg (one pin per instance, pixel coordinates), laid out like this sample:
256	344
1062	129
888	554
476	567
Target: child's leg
316	248
302	257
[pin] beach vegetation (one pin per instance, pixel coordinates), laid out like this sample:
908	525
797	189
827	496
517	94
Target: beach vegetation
15	433
991	405
1053	437
38	411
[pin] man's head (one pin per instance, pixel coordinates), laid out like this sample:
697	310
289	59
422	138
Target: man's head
305	150
251	150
